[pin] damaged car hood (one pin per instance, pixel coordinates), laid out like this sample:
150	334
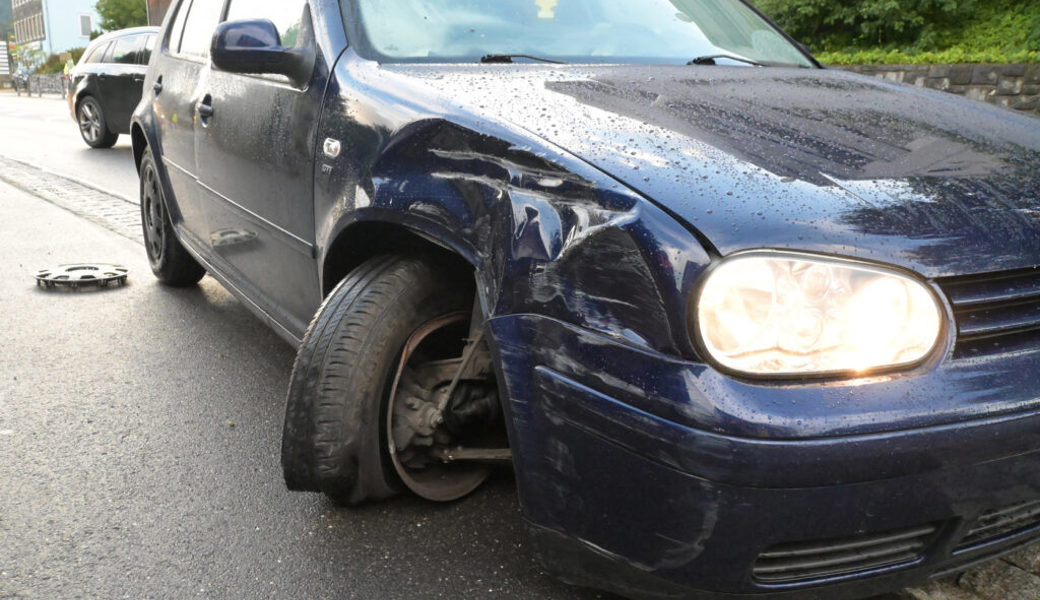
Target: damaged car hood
812	160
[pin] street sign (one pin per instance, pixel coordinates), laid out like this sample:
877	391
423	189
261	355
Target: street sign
5	61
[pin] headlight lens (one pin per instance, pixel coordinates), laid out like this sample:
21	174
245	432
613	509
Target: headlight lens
791	314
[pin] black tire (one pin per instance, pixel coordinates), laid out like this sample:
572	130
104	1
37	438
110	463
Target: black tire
335	438
92	124
170	262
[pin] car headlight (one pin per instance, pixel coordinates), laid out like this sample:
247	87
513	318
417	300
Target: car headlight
789	314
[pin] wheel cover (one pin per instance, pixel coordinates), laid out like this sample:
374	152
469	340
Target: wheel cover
437	480
152	214
90	120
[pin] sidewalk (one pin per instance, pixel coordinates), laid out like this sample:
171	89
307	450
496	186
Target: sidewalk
50	95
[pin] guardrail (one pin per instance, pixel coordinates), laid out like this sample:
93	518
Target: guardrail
41	84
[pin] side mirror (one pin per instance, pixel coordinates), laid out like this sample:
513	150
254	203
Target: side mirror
253	46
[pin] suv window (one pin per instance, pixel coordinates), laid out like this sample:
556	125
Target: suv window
285	14
96	54
144	51
124	50
202	20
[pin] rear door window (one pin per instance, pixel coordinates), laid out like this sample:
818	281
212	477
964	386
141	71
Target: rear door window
177	31
96	55
144	49
124	51
202	20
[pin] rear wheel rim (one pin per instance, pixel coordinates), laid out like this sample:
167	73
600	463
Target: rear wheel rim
440	482
152	214
90	121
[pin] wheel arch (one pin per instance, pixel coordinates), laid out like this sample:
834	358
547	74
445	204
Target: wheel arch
81	93
363	240
139	142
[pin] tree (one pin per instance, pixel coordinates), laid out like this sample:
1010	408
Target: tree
837	24
120	14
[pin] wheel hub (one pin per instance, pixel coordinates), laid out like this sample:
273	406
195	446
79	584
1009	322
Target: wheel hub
430	413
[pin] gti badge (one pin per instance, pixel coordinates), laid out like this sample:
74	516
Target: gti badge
332	148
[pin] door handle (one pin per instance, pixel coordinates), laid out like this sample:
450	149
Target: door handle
158	86
205	108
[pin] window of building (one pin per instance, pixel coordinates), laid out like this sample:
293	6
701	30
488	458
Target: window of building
86	25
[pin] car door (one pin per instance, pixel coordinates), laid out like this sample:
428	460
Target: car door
91	67
256	169
119	79
146	43
179	69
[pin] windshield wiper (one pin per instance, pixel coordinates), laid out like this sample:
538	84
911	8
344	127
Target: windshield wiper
508	58
710	60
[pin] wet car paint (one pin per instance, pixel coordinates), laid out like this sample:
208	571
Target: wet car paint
815	160
561	250
590	200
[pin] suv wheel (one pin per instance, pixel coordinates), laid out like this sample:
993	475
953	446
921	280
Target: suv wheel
92	124
362	412
170	262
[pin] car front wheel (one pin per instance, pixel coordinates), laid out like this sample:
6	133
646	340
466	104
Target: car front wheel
389	388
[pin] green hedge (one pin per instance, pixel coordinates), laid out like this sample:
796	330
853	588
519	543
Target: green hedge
951	56
913	31
54	64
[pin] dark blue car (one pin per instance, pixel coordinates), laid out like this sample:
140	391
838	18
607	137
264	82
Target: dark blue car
743	326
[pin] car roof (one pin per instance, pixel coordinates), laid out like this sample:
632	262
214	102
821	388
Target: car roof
111	35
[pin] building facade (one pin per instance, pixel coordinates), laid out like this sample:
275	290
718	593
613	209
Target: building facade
53	26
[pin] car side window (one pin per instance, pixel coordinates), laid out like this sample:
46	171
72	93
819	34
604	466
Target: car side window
124	51
202	20
144	50
285	14
177	30
107	56
96	54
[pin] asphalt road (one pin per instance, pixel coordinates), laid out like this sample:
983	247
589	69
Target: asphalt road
40	131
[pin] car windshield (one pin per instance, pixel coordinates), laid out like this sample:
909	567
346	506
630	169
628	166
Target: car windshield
584	31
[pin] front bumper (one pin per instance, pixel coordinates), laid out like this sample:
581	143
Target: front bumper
631	495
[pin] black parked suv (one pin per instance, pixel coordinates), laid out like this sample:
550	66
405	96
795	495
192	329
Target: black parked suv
744	327
106	84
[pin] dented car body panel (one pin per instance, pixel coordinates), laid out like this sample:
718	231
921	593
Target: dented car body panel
590	202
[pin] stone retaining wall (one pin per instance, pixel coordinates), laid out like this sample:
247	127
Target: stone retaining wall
1011	86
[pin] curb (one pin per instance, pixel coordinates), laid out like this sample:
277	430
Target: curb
55	174
110	211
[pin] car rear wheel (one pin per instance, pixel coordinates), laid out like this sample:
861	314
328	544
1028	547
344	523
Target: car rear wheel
375	399
170	262
92	124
